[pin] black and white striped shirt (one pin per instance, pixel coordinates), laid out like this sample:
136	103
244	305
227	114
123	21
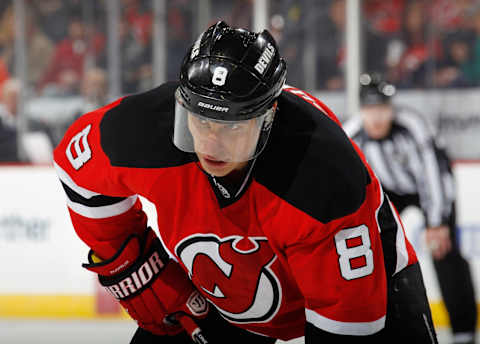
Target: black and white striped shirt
407	162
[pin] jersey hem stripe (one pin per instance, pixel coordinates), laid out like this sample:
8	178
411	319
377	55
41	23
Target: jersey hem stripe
344	328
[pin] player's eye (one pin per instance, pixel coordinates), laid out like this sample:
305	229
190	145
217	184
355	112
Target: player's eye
238	127
203	123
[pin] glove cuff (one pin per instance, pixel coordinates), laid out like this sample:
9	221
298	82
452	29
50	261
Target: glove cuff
124	258
131	251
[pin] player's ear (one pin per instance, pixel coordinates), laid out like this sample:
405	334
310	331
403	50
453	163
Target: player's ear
267	122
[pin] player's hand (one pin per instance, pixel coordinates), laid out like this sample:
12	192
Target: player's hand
438	241
151	287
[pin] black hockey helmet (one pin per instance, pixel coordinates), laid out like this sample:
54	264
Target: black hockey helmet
375	90
229	76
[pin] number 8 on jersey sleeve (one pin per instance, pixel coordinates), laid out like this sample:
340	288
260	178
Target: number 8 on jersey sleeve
355	257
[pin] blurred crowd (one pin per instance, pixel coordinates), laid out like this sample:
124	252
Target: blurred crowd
67	64
415	43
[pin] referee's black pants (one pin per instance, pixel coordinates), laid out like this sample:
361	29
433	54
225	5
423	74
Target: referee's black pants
453	274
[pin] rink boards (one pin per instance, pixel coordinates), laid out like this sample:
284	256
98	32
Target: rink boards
41	255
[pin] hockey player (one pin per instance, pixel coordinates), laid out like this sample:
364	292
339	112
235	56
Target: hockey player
264	207
415	172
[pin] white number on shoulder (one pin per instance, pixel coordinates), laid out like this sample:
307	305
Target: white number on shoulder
219	76
78	151
355	256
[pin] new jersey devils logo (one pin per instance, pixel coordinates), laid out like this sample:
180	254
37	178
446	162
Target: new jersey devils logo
234	272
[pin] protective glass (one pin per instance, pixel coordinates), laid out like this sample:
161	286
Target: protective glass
226	141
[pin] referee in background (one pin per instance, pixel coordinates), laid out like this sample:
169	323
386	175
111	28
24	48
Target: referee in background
413	171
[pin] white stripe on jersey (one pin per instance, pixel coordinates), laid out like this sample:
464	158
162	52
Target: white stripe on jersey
402	253
344	328
93	212
103	211
400	245
65	178
382	199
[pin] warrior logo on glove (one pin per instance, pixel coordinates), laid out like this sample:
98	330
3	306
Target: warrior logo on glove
138	279
218	266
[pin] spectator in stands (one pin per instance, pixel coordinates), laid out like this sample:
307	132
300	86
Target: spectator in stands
331	60
454	69
52	113
135	35
290	32
9	151
71	53
383	16
14	146
4	73
240	13
383	26
39	48
415	172
450	16
53	17
180	28
94	89
140	18
419	49
7	36
472	69
135	54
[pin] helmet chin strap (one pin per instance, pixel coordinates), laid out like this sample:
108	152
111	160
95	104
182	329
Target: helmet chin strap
246	177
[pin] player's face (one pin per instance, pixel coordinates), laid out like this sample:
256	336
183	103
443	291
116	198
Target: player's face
223	147
377	120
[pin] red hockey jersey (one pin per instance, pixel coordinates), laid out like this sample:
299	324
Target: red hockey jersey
305	235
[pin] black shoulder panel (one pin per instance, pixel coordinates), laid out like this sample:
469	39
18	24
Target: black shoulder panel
138	131
310	162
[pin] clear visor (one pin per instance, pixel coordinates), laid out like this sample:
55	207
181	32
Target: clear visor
225	141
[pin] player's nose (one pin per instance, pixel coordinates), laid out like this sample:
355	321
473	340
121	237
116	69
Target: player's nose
211	145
